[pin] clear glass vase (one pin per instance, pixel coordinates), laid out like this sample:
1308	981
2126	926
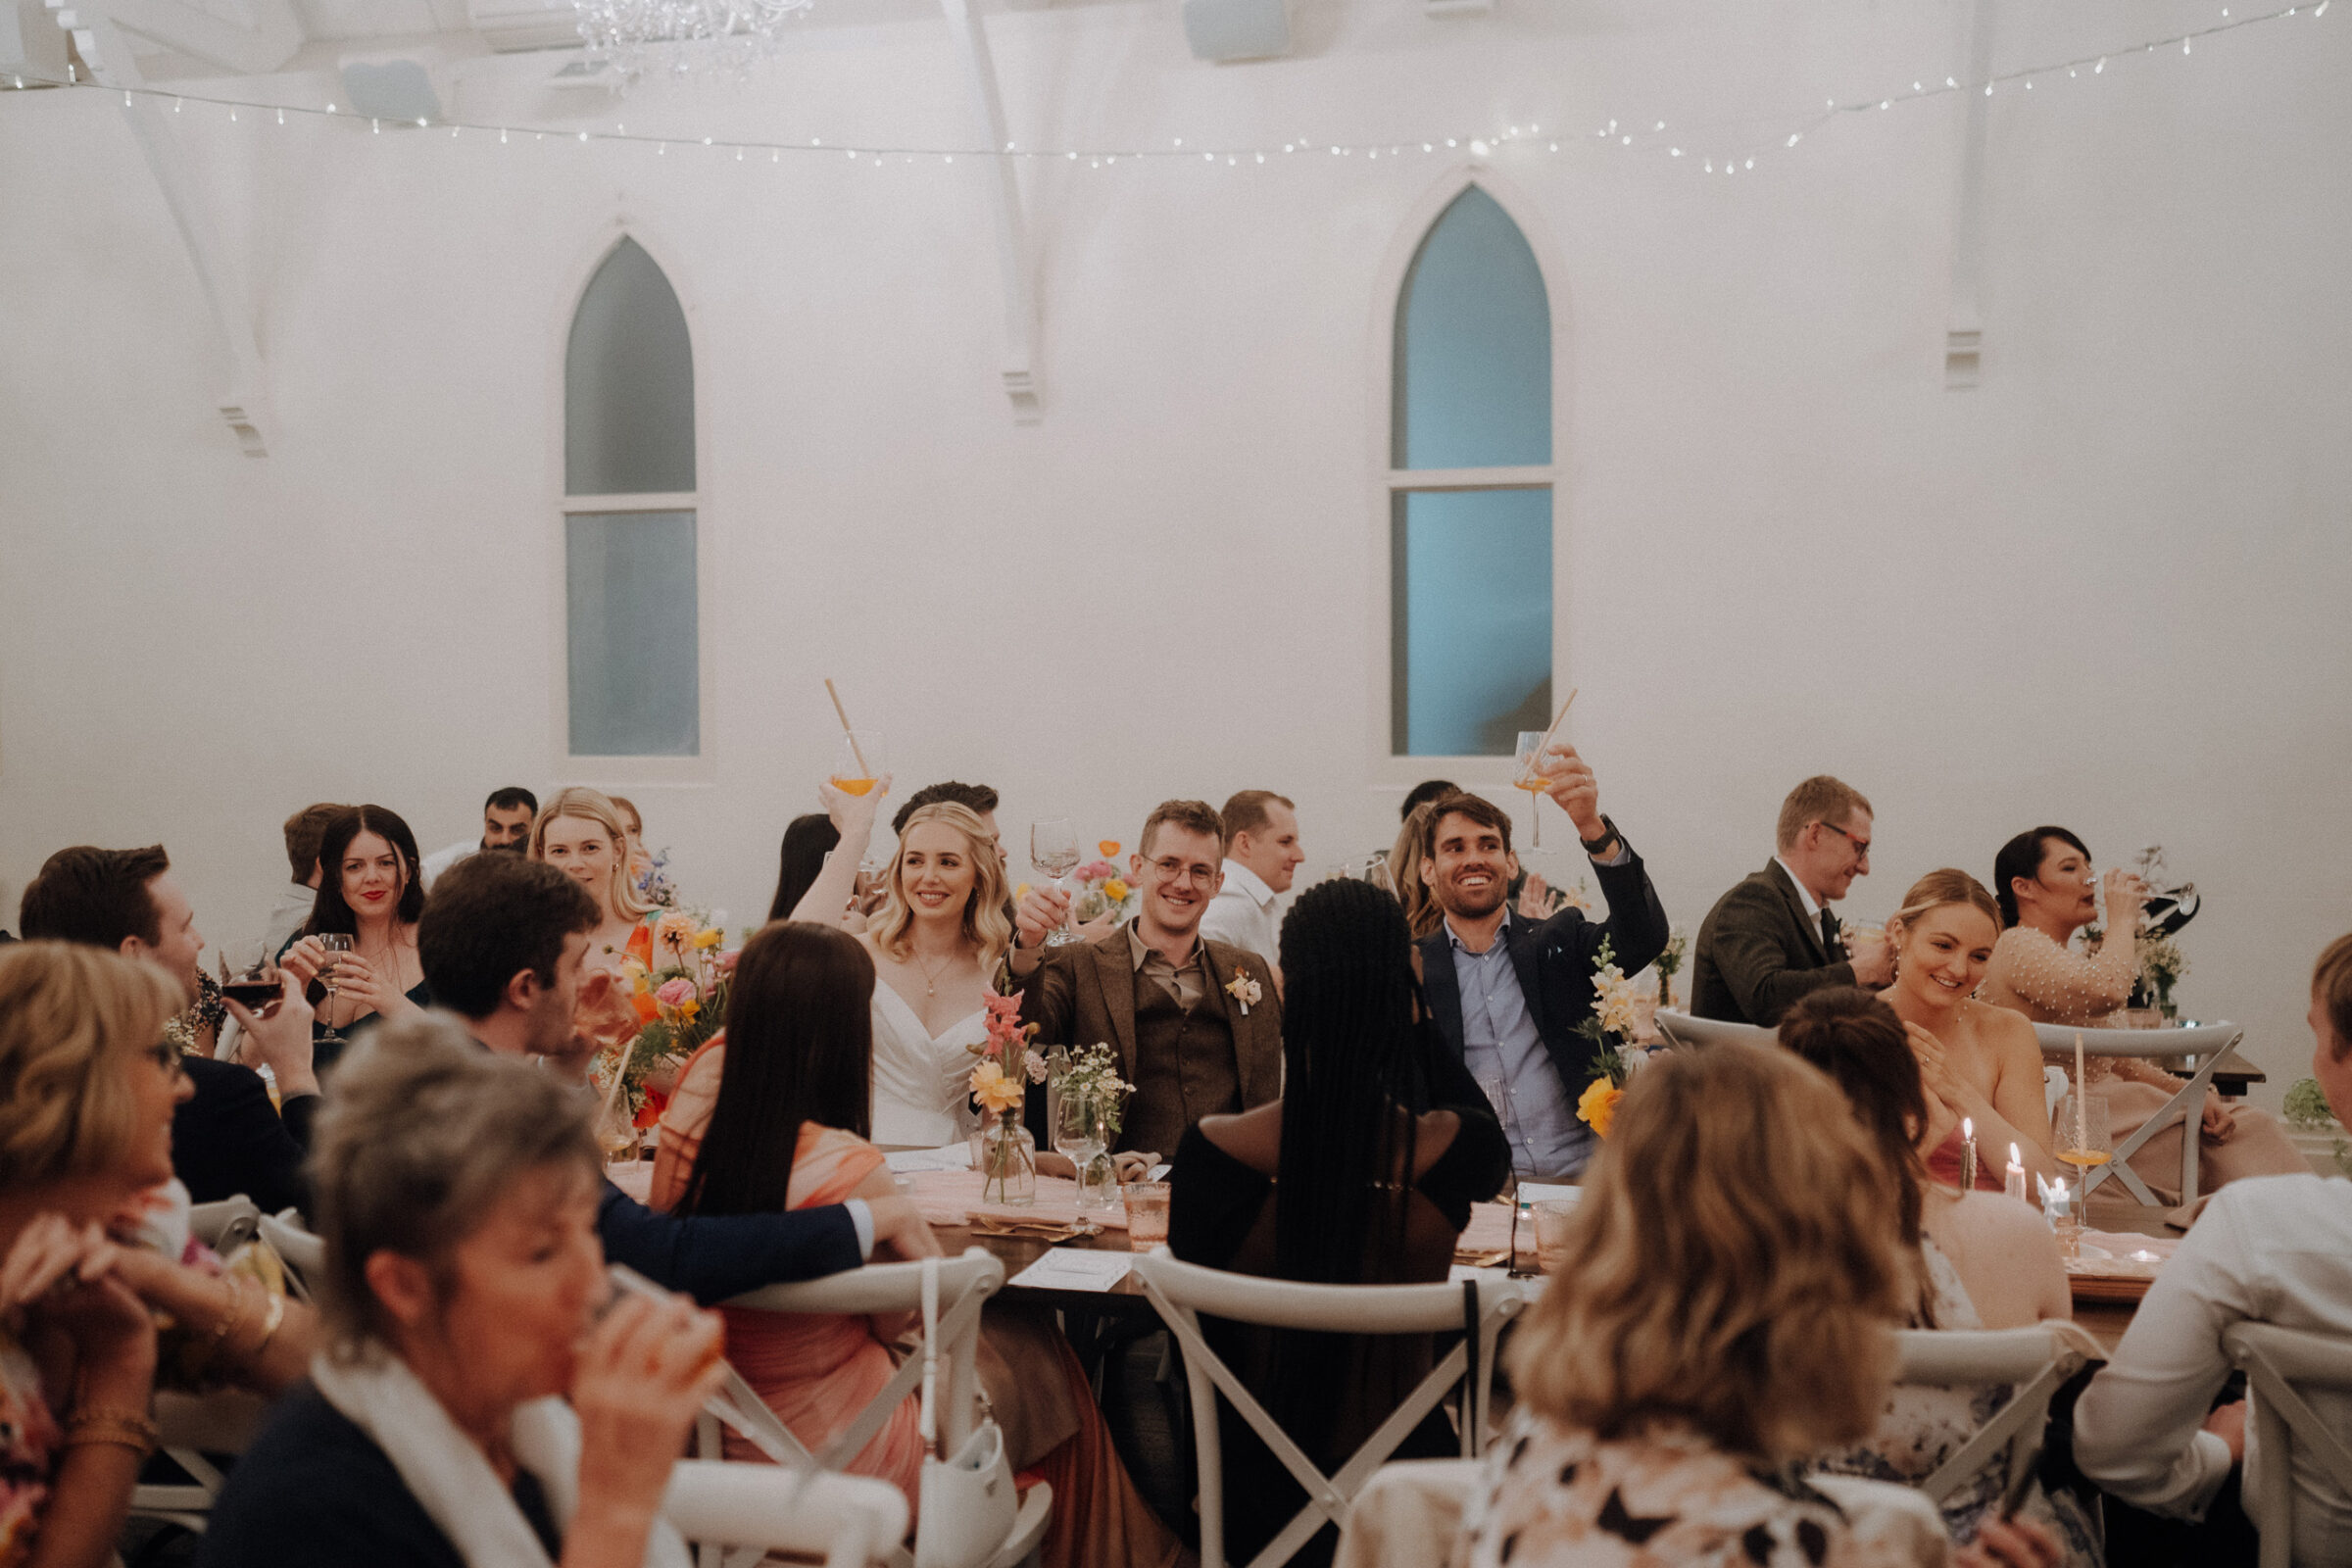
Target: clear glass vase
1008	1162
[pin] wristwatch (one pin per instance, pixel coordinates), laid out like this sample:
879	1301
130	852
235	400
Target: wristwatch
1609	835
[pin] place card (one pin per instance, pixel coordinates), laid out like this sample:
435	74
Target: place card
1532	1193
949	1157
1075	1269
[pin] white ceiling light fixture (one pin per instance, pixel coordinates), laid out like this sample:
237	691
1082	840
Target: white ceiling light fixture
682	36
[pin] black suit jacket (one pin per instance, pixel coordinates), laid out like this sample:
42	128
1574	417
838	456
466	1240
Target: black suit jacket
1758	952
712	1256
1554	965
228	1139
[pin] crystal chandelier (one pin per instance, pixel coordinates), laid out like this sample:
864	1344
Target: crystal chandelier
682	36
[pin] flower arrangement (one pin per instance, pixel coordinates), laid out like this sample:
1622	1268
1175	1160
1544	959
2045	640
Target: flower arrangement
1092	1075
1246	991
2162	966
1102	890
1000	1082
654	885
1610	1027
1669	964
677	984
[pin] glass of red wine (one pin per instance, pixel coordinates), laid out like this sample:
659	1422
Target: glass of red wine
249	976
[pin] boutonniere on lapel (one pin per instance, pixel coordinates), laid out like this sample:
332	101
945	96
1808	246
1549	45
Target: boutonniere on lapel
1246	991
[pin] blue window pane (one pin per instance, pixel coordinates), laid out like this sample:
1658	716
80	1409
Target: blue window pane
628	383
1470	584
636	687
1473	378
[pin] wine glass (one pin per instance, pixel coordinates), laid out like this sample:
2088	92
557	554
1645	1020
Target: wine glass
1081	1131
616	1131
1054	852
249	976
860	762
1527	773
1498	1089
2084	1140
336	943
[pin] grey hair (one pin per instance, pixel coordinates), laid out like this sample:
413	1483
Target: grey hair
426	1128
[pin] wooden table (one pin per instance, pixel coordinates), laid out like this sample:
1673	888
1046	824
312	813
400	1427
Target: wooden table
1123	1300
2107	1320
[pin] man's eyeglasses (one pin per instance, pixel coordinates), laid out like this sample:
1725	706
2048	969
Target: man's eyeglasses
1175	870
1861	846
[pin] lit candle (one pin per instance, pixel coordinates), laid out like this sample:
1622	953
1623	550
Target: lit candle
2013	1180
1968	1155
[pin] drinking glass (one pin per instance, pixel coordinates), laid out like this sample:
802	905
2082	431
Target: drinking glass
1081	1131
1497	1090
2083	1139
1146	1215
617	1132
1376	873
860	762
336	943
1054	852
249	976
1527	773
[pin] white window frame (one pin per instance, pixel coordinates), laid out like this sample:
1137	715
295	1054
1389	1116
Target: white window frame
1390	773
625	770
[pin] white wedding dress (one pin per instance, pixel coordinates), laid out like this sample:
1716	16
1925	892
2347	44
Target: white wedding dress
923	1082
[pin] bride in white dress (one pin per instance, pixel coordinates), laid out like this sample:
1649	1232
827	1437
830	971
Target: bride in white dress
937	937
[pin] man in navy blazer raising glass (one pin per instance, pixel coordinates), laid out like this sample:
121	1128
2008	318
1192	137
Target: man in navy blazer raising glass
1507	991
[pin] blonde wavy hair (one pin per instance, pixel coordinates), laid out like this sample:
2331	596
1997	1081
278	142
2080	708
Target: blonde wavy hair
1935	891
1421	912
985	923
594	806
71	1017
1734	1265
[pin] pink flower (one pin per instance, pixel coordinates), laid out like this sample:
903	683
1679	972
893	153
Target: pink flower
1096	871
726	961
675	993
1035	1065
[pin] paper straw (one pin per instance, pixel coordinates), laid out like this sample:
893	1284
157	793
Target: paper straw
1557	721
858	750
2082	1107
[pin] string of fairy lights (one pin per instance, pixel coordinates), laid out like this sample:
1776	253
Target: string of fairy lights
1645	138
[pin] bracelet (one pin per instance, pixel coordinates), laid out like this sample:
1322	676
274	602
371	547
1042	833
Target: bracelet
270	1319
112	1429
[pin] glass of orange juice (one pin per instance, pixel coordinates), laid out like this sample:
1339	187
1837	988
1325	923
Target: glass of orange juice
859	764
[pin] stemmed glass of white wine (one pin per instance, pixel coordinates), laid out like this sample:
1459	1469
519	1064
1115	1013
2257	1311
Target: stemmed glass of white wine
1054	852
1527	773
335	943
2085	1138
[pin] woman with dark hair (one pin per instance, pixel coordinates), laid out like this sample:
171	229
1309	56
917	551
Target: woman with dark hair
2044	883
802	855
773	1115
370	890
1978	1261
1363	1173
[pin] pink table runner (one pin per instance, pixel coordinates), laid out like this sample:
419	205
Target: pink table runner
954	1197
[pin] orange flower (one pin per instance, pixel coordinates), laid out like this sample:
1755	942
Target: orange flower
1108	847
995	1093
646	1008
1597	1105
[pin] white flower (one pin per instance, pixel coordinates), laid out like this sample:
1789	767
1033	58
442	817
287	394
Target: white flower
1244	990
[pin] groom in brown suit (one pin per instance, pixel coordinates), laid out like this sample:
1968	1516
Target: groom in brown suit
1195	1023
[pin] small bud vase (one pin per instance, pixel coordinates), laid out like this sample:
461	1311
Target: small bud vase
1008	1162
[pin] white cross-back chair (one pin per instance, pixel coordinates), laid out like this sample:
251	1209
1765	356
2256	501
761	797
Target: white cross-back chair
2208	1042
2034	1362
1686	1029
224	1225
851	1521
302	1253
1181	1292
965	1286
2280	1365
193	1431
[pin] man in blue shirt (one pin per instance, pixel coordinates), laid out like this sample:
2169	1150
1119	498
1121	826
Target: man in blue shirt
504	941
1508	993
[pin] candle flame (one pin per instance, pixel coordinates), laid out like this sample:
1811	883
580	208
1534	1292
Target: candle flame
2013	1159
1968	1127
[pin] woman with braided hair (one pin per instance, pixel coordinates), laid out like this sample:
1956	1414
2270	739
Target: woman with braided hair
1363	1173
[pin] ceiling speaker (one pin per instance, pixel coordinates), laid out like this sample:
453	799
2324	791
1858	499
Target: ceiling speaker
400	91
1237	29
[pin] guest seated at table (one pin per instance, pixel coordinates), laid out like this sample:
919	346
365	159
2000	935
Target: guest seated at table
580	833
507	817
801	857
773	1117
88	1089
1507	991
1981	1063
304	831
504	941
1262	857
2046	886
1772	939
2270	1249
1979	1262
1197	1023
226	1139
1362	1173
370	890
1721	1314
471	1407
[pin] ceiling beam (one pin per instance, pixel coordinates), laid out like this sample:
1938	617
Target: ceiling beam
1004	199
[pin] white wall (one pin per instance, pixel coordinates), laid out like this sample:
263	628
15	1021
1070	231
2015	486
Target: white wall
2103	589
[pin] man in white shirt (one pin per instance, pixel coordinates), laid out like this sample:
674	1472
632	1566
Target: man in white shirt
305	830
1262	858
507	817
2267	1249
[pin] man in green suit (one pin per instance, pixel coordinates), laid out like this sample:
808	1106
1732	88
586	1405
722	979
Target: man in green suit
1772	939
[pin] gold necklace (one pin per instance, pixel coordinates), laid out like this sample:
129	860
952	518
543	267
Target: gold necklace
931	976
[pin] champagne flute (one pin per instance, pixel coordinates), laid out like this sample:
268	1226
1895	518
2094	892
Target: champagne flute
861	762
2085	1138
1527	773
1054	852
336	943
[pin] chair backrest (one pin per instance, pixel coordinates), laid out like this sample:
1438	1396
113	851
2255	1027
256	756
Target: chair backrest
851	1521
2034	1362
1686	1029
2202	1040
2208	1042
2287	1432
1181	1292
193	1430
305	1254
225	1224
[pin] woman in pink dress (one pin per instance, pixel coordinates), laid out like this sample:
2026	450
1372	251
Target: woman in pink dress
2045	885
779	1121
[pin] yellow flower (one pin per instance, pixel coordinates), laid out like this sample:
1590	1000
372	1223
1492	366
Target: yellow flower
1116	890
1597	1105
995	1092
709	936
636	975
1020	891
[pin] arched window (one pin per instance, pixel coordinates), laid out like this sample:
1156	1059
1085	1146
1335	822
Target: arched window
1470	481
632	624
